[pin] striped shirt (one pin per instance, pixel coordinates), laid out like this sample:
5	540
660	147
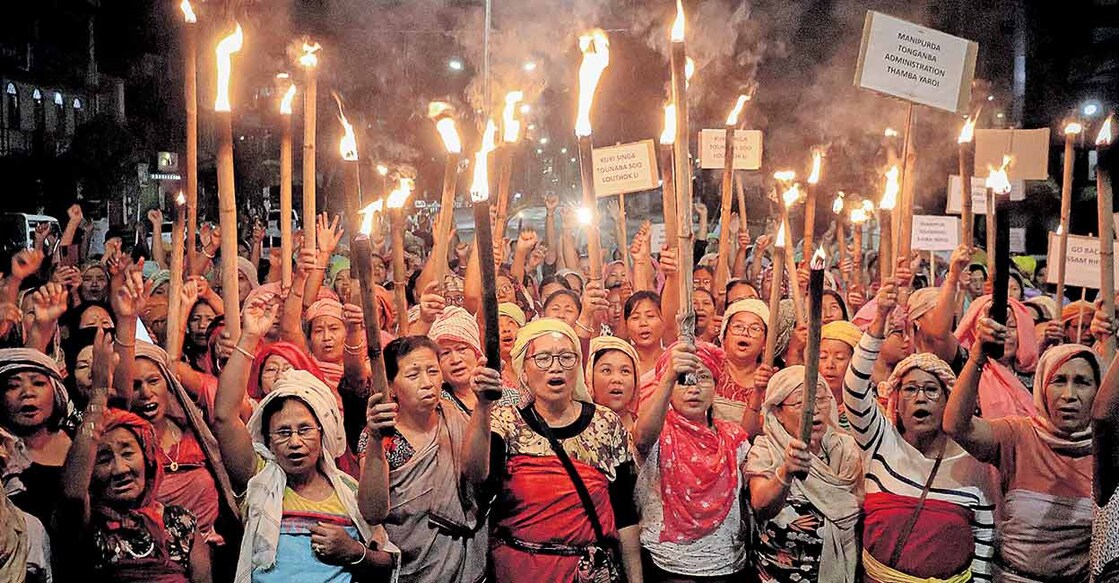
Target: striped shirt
895	467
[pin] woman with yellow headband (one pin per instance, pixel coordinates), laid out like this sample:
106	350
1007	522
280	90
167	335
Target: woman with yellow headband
561	465
612	372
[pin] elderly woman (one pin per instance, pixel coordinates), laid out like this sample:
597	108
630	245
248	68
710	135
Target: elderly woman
563	305
412	444
272	360
35	406
95	283
510	320
806	496
301	513
194	476
691	486
110	516
612	371
929	509
1044	461
561	467
456	334
1006	383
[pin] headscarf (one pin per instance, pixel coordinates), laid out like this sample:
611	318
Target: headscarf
1074	311
599	345
1001	394
1048	305
698	463
1079	443
843	331
457	324
288	352
1025	264
922	302
183	410
578	274
246	268
15	360
835	493
513	312
751	305
925	361
324	307
264	498
146	515
338	264
542	327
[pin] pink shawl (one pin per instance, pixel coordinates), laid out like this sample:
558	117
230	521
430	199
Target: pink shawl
1001	394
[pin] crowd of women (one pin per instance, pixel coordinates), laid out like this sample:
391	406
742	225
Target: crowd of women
604	446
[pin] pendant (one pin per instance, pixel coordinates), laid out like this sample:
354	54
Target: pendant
174	466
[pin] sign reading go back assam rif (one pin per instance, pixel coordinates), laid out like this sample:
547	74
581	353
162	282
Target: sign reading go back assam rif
916	63
625	168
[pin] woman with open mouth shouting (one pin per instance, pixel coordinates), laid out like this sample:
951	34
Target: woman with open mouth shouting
929	508
691	485
1044	461
612	370
806	496
109	517
561	466
304	518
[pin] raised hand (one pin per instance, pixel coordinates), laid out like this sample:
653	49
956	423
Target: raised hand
959	261
551	202
683	360
526	240
155	217
639	247
990	334
353	317
329	235
105	359
257	318
431	303
380	415
74	213
10	316
762	375
129	298
887	298
306	262
258	233
26	263
668	264
49	303
595	305
762	243
68	276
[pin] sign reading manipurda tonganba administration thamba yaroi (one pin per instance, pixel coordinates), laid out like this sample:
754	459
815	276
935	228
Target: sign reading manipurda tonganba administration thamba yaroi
916	63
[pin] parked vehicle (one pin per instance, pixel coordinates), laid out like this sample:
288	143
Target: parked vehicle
17	230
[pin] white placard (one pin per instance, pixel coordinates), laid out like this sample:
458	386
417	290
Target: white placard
625	168
1017	239
1083	266
978	194
935	233
747	149
916	63
656	237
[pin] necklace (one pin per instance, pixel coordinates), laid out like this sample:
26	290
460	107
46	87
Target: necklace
174	462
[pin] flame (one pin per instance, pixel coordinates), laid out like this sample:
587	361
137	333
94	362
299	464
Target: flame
225	49
382	170
858	215
967	133
480	187
285	103
819	259
790	196
997	179
309	59
369	213
678	24
785	175
890	133
689	70
1104	137
890	195
445	125
583	215
512	127
1060	229
668	136
181	199
1073	128
596	57
837	206
817	163
780	239
188	12
347	146
398	197
732	119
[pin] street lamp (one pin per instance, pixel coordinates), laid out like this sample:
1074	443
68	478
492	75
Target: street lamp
456	64
1091	108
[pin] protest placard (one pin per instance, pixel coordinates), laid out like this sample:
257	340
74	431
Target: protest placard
1029	150
747	149
935	233
1083	266
625	168
916	63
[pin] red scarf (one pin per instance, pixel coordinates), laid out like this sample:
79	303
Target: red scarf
699	476
288	352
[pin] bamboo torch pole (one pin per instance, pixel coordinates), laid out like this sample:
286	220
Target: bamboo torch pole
770	354
682	173
175	323
227	196
966	143
668	180
1105	209
510	136
310	62
722	262
810	205
596	57
483	243
445	124
395	203
1072	130
285	187
190	90
886	224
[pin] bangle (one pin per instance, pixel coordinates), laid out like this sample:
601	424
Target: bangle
360	557
583	327
777	475
355	350
247	354
208	255
123	344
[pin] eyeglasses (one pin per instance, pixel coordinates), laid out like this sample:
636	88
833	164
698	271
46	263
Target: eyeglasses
931	392
304	433
544	360
753	330
505	289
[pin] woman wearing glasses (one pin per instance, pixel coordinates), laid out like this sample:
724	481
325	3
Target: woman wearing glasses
561	467
304	518
742	382
929	509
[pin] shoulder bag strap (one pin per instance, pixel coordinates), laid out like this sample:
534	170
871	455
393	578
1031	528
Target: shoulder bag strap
908	528
580	487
